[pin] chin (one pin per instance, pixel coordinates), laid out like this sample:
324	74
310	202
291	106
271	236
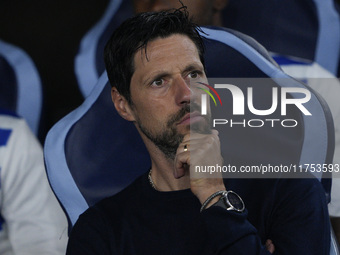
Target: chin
199	127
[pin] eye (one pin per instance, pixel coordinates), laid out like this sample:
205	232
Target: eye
193	75
158	82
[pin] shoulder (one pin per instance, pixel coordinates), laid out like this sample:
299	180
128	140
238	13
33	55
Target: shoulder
9	120
285	197
18	145
114	208
280	187
305	197
16	126
99	226
278	195
300	187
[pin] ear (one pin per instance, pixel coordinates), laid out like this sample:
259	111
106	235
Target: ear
122	105
219	5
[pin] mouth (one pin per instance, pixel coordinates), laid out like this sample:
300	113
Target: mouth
190	118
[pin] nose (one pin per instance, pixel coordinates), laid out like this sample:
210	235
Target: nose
183	92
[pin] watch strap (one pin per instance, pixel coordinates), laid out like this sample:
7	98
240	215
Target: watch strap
218	193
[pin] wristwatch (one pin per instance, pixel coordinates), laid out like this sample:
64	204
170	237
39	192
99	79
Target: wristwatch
231	201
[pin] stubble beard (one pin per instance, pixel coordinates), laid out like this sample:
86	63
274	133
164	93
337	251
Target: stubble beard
169	140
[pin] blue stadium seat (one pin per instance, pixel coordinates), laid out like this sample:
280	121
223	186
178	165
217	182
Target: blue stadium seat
89	64
20	85
308	29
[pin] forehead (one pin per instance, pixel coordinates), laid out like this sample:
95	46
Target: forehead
172	51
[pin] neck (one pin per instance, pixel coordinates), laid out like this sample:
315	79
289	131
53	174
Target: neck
162	176
162	169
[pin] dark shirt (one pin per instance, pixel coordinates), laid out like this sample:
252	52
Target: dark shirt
140	220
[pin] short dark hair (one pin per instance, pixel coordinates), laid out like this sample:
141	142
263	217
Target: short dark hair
135	33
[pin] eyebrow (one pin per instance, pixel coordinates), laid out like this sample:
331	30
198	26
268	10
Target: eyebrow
161	74
156	76
193	67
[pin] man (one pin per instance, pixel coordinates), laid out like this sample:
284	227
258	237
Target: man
151	61
209	13
32	221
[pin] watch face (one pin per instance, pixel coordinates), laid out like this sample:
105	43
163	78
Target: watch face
235	201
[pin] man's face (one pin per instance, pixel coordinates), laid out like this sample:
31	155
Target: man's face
163	89
200	10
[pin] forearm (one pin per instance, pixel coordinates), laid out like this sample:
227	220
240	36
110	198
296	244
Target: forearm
231	233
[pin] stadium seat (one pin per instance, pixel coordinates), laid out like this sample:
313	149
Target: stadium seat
20	85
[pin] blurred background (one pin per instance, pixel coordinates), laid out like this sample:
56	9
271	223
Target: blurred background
50	33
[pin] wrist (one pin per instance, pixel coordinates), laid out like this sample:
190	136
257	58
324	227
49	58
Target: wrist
205	193
212	199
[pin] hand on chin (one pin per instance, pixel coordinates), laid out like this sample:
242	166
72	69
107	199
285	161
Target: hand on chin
199	149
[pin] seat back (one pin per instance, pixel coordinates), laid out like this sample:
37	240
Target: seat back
20	85
308	29
89	64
